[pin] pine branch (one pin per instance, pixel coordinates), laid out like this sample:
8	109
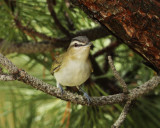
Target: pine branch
4	77
117	76
47	46
107	49
54	16
31	32
25	29
23	76
26	48
122	116
69	21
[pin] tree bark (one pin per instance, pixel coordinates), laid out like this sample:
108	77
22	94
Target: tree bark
136	22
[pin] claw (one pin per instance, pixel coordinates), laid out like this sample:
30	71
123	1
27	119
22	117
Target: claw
60	87
86	96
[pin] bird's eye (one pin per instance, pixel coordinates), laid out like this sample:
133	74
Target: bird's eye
75	45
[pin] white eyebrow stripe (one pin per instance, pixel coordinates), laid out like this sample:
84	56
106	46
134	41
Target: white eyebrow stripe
79	43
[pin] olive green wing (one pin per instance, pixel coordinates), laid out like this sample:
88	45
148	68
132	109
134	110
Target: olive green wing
57	63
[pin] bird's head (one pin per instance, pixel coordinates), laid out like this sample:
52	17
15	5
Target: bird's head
79	47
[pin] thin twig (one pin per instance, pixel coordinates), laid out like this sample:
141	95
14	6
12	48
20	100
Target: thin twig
54	16
31	32
70	24
107	49
125	110
69	21
122	116
117	76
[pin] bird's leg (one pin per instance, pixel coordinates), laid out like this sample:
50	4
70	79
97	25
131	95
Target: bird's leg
85	94
60	87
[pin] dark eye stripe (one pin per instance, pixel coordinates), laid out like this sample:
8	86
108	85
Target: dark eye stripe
77	45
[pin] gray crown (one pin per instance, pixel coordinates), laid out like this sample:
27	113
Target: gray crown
82	39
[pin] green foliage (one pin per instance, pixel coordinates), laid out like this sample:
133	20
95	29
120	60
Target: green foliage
24	107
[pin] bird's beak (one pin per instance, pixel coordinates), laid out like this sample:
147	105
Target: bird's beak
88	44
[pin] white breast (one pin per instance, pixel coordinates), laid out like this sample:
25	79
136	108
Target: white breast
74	73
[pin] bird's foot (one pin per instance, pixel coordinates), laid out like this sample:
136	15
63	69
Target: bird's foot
86	96
61	89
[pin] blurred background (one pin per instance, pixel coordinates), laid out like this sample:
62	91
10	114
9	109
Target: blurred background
21	106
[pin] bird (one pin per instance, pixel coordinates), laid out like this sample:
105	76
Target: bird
73	67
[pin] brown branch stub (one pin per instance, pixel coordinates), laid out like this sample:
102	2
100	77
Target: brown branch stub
117	76
122	116
54	16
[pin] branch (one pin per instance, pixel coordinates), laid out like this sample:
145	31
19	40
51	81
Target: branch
74	98
28	31
105	83
26	48
31	32
122	116
107	49
69	21
54	16
47	46
131	22
117	76
5	77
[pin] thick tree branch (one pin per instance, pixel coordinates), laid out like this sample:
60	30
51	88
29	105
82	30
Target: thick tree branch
74	98
136	22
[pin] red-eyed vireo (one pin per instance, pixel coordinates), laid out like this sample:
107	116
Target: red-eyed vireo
73	67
